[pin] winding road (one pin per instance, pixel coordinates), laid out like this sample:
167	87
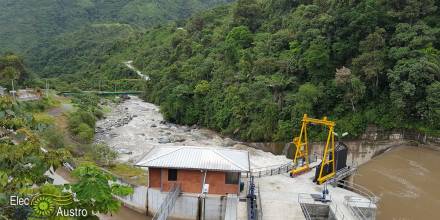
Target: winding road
129	64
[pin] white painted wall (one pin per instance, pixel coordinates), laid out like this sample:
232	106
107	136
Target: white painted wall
186	205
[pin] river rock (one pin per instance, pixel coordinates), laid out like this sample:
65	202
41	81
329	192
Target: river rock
164	140
240	146
178	139
228	142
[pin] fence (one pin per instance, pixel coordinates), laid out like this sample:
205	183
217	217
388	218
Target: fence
372	199
306	199
252	206
359	207
168	204
231	207
271	170
275	169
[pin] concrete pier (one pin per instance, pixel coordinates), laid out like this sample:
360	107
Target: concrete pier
282	197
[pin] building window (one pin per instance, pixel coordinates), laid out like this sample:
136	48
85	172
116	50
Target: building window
172	174
232	178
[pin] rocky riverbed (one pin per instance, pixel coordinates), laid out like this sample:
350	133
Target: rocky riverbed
134	127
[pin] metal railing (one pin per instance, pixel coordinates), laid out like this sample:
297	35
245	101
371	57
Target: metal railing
305	199
372	198
275	169
353	203
357	213
305	211
337	211
341	174
168	204
270	170
252	206
259	204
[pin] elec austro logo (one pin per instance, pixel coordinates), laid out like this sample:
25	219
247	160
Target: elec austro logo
47	205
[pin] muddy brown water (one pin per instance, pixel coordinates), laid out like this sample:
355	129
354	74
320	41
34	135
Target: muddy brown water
407	181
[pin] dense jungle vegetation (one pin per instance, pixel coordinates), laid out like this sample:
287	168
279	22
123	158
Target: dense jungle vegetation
35	140
253	68
26	24
250	69
64	38
31	146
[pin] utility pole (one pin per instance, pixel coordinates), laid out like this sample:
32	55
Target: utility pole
47	89
13	90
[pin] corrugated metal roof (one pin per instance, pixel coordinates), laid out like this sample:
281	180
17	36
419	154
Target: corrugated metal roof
204	158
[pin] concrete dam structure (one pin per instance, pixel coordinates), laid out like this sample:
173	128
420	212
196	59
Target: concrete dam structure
265	190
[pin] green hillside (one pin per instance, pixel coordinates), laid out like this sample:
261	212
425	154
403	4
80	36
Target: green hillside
27	23
251	70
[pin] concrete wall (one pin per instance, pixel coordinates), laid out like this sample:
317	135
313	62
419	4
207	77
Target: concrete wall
191	181
186	206
317	211
378	140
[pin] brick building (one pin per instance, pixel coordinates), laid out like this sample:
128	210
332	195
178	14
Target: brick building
192	167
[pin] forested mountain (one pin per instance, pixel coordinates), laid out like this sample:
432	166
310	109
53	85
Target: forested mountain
28	23
252	69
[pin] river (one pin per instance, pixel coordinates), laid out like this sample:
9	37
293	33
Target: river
406	179
134	127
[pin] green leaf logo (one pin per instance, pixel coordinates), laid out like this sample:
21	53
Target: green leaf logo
43	206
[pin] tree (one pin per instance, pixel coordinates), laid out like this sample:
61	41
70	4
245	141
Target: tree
103	154
415	69
11	68
353	86
316	59
248	13
306	97
370	64
240	36
23	162
433	104
95	189
410	10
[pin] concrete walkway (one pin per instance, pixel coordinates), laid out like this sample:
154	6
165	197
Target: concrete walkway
279	196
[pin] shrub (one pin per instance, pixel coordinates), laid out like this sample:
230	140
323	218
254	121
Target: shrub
103	154
54	138
85	133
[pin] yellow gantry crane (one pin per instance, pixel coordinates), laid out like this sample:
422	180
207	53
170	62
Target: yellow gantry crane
301	159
